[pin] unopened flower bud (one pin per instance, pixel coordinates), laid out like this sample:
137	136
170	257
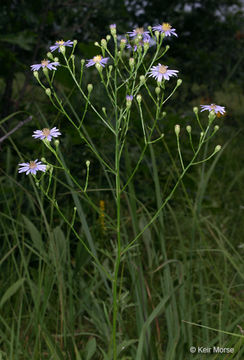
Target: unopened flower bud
50	55
87	163
82	62
110	68
179	82
113	29
56	59
217	148
131	62
96	44
129	99
177	129
48	92
104	111
45	70
149	28
43	159
146	45
89	87
188	129
156	34
195	109
122	44
142	79
73	57
211	115
216	128
104	43
138	98
164	114
75	42
201	134
167	47
56	143
108	37
157	90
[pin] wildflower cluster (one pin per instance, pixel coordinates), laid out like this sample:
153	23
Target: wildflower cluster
137	39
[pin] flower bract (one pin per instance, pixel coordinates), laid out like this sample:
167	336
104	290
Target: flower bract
45	64
32	167
160	72
57	45
46	133
98	59
216	108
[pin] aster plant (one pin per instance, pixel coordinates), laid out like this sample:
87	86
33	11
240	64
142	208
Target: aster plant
135	84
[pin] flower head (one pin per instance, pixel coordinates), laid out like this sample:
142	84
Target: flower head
139	31
129	97
165	28
32	167
112	26
46	133
160	72
98	59
57	45
45	64
216	108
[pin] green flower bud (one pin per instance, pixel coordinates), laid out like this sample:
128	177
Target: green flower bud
104	43
157	34
167	47
75	42
83	61
138	98
45	70
131	62
89	87
177	129
48	92
56	143
164	114
56	59
217	148
50	55
96	44
108	37
195	109
146	46
43	160
149	28
157	90
179	82
87	163
212	115
216	128
142	79
122	44
104	111
188	129
110	68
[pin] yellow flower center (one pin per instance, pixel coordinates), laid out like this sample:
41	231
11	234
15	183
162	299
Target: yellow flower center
139	30
32	165
162	69
45	62
166	26
213	106
97	58
46	132
61	42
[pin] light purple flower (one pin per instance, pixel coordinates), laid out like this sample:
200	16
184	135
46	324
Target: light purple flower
46	133
57	45
45	64
98	59
160	72
165	28
32	167
129	97
139	31
217	109
112	26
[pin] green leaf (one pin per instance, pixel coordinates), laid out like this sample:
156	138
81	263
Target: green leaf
11	291
90	348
